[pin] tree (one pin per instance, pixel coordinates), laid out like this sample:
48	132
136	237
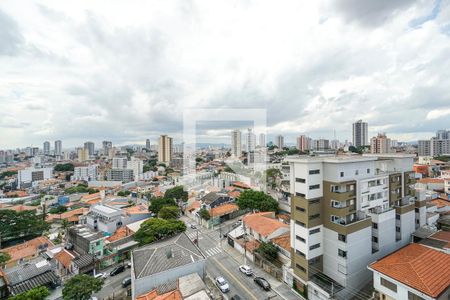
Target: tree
14	225
204	214
156	229
177	193
272	174
256	200
81	188
4	257
268	250
123	193
64	167
7	174
58	209
38	293
81	287
169	212
159	202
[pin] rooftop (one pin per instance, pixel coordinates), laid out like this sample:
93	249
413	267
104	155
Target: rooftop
224	209
263	224
421	268
28	248
165	255
86	232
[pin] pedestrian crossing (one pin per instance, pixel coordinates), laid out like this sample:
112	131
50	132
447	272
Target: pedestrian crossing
192	235
212	251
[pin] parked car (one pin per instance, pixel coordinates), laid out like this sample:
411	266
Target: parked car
262	283
193	226
236	297
117	270
100	275
246	270
126	282
222	284
129	264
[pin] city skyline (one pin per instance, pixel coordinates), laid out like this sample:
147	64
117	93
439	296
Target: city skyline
152	63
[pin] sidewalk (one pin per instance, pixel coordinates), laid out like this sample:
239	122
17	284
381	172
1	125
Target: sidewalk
282	289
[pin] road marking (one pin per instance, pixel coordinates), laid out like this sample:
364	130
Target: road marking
236	279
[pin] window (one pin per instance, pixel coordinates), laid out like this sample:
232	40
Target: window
374	239
300	268
314	201
314	187
312	172
300	194
300	253
301	180
314	246
312	217
342	237
368	171
313	231
300	209
342	174
300	238
397	229
300	223
397	217
342	253
374	225
412	296
416	210
356	172
387	284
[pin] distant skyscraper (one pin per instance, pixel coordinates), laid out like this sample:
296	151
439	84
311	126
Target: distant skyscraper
83	154
236	144
90	147
443	134
262	140
58	147
165	149
303	143
360	134
46	148
147	144
250	140
279	141
321	144
106	145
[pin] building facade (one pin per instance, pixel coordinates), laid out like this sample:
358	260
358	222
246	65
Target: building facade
380	144
58	147
165	149
236	144
279	141
346	212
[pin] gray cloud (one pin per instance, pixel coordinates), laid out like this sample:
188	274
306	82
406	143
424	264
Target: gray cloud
10	35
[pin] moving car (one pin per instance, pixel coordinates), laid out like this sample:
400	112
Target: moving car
193	226
262	283
126	282
222	284
246	270
117	270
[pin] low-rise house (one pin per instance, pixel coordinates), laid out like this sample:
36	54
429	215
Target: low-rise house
163	262
412	272
34	273
263	226
21	253
64	263
434	184
71	216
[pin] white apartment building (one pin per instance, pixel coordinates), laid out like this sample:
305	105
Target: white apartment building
30	176
137	165
250	140
236	144
119	163
360	134
279	141
346	212
262	140
58	148
46	148
87	173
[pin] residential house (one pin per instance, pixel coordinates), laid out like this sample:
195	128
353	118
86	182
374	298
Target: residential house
412	272
263	226
26	251
64	263
163	262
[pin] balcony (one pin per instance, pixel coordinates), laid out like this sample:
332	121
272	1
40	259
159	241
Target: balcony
342	195
406	204
346	225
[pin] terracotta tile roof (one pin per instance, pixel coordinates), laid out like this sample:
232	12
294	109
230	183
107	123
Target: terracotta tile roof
68	215
252	245
234	194
431	180
284	241
422	268
223	209
240	184
19	208
137	209
284	217
118	235
440	203
194	205
26	249
16	194
441	235
262	223
153	295
89	197
65	258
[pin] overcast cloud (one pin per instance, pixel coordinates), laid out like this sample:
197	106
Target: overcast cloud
125	70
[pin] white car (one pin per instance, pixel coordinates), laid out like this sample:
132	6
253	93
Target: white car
222	284
246	270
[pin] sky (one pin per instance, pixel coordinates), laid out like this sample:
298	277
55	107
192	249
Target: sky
128	70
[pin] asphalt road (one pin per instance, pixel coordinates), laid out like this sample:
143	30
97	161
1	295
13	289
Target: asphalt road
113	284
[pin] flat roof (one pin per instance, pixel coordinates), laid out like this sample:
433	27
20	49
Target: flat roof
329	159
